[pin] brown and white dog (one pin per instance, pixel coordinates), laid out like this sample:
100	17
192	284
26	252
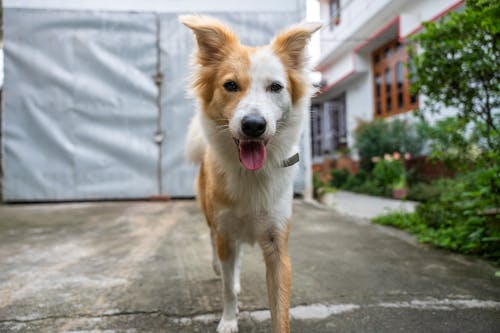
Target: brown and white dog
252	104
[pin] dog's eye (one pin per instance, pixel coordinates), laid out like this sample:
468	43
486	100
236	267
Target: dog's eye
275	87
231	86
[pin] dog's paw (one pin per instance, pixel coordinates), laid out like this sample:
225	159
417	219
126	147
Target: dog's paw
227	326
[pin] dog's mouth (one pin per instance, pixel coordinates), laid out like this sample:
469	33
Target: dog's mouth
252	153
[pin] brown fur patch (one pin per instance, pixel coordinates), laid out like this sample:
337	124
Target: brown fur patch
223	247
296	85
274	246
211	189
221	58
290	46
218	103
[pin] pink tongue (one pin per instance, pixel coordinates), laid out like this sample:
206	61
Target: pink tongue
252	155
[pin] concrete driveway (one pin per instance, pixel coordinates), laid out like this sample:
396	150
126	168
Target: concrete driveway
145	267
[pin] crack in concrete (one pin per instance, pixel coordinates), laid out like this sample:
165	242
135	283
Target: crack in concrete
84	315
299	312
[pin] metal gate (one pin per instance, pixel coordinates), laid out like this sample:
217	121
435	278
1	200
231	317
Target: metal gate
95	103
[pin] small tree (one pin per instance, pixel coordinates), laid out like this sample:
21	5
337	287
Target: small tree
459	67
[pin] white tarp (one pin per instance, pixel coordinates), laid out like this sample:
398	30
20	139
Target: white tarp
81	117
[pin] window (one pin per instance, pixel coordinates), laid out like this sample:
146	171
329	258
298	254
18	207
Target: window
334	10
391	86
328	127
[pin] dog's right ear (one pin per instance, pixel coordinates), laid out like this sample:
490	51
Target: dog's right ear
214	39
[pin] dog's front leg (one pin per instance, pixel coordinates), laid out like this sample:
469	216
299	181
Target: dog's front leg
228	251
274	245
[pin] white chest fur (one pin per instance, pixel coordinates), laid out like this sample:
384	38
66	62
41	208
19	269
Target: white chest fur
262	201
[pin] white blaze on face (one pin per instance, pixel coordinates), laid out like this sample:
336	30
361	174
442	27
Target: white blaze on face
264	100
265	69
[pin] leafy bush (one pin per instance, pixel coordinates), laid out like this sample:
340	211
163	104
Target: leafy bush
462	217
424	192
321	184
363	182
390	172
464	45
339	177
317	184
371	187
454	141
379	137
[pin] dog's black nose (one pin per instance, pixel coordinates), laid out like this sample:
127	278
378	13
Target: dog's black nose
253	125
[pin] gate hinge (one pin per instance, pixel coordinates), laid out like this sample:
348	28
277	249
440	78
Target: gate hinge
159	137
158	79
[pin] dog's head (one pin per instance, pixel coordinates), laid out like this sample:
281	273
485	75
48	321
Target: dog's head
251	93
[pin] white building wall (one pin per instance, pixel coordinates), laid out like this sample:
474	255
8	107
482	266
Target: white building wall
339	69
359	104
353	16
347	70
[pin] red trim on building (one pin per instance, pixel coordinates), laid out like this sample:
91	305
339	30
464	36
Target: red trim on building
434	18
377	33
372	37
342	78
395	20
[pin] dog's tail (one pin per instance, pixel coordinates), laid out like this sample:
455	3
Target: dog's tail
196	142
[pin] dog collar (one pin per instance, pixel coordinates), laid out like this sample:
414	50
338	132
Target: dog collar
290	161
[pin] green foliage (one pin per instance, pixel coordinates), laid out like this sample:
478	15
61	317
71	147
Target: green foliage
390	173
317	182
321	185
410	222
370	187
425	192
363	182
451	141
459	67
461	216
339	177
379	137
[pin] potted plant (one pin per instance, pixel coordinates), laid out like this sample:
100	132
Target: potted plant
391	174
399	189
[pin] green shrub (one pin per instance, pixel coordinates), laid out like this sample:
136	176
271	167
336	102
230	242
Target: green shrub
339	177
355	180
317	184
363	182
425	192
372	187
456	217
407	221
378	137
389	173
321	185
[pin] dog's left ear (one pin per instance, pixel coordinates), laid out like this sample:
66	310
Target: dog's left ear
290	44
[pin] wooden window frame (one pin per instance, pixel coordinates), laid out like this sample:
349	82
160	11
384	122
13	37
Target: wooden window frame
387	98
